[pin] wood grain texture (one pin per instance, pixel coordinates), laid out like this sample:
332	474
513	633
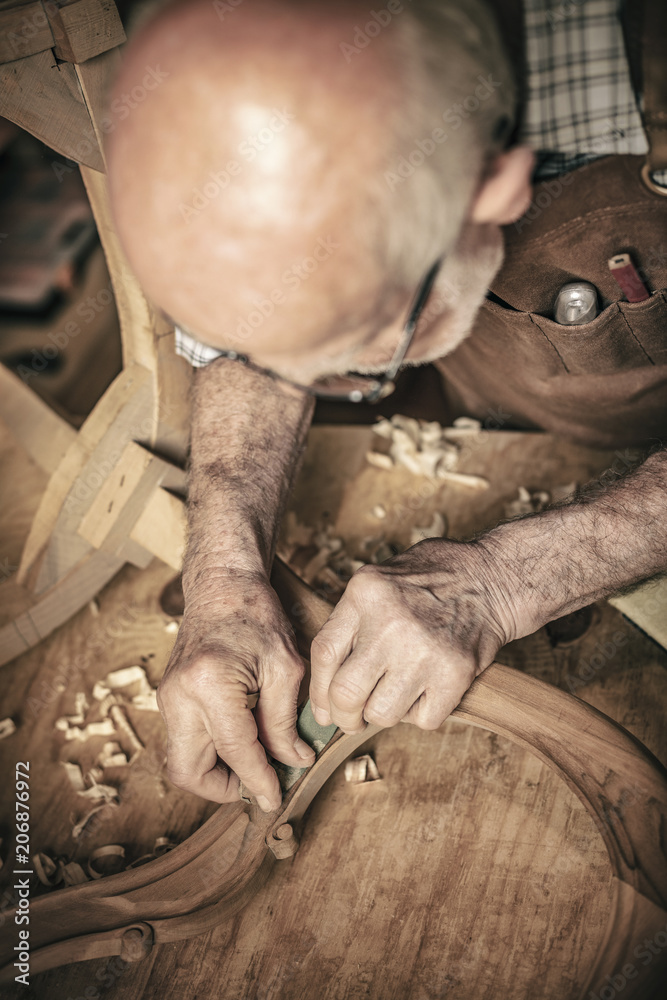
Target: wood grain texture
597	759
24	31
44	98
84	28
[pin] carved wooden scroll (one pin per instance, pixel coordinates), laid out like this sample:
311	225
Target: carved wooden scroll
217	871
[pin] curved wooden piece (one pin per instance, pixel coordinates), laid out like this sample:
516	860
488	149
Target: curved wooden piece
67	560
217	870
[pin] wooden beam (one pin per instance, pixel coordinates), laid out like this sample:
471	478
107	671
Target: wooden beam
83	29
44	98
24	31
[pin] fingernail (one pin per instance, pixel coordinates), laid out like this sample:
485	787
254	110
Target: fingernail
303	750
264	804
322	717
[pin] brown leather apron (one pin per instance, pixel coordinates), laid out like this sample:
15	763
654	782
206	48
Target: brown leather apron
603	383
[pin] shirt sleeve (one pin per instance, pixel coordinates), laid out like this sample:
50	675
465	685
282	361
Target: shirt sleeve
197	354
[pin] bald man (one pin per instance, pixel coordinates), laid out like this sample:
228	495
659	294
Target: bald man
313	190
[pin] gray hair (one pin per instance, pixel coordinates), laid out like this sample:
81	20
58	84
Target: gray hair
460	85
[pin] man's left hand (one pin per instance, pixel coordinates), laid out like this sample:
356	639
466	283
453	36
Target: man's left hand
409	636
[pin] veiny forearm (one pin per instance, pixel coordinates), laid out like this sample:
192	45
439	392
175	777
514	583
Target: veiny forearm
247	440
569	556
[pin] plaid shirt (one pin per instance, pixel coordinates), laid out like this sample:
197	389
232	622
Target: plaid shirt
580	104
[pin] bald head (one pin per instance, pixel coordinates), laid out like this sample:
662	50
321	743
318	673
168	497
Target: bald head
250	185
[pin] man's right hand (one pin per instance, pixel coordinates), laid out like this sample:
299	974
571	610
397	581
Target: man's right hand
232	646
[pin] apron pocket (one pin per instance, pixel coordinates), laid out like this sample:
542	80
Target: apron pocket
623	336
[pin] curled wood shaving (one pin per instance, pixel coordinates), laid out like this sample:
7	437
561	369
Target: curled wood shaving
73	874
7	727
361	769
48	872
162	846
114	857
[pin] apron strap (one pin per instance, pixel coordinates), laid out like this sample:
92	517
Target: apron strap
645	27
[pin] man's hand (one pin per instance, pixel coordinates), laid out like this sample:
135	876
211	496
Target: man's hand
226	651
408	637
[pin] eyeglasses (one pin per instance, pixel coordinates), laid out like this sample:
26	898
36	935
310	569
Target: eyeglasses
355	387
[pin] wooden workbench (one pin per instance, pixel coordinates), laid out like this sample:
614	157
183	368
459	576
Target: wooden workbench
469	872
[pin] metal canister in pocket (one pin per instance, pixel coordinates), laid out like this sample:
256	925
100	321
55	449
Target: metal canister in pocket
576	303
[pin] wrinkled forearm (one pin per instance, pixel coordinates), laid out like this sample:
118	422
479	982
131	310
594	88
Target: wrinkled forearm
247	440
566	557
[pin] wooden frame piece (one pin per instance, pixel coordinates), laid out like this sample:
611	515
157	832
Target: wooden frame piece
218	869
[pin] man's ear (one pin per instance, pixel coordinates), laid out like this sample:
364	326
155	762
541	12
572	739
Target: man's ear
505	192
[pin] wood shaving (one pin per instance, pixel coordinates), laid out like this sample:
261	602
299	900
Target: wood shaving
128	676
73	874
106	860
162	846
379	459
103	728
527	502
123	724
99	791
48	872
93	776
94	608
417	445
464	479
379	511
7	728
111	755
101	691
74	774
171	628
146	702
361	769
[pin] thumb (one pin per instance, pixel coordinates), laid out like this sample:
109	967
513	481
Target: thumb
275	715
